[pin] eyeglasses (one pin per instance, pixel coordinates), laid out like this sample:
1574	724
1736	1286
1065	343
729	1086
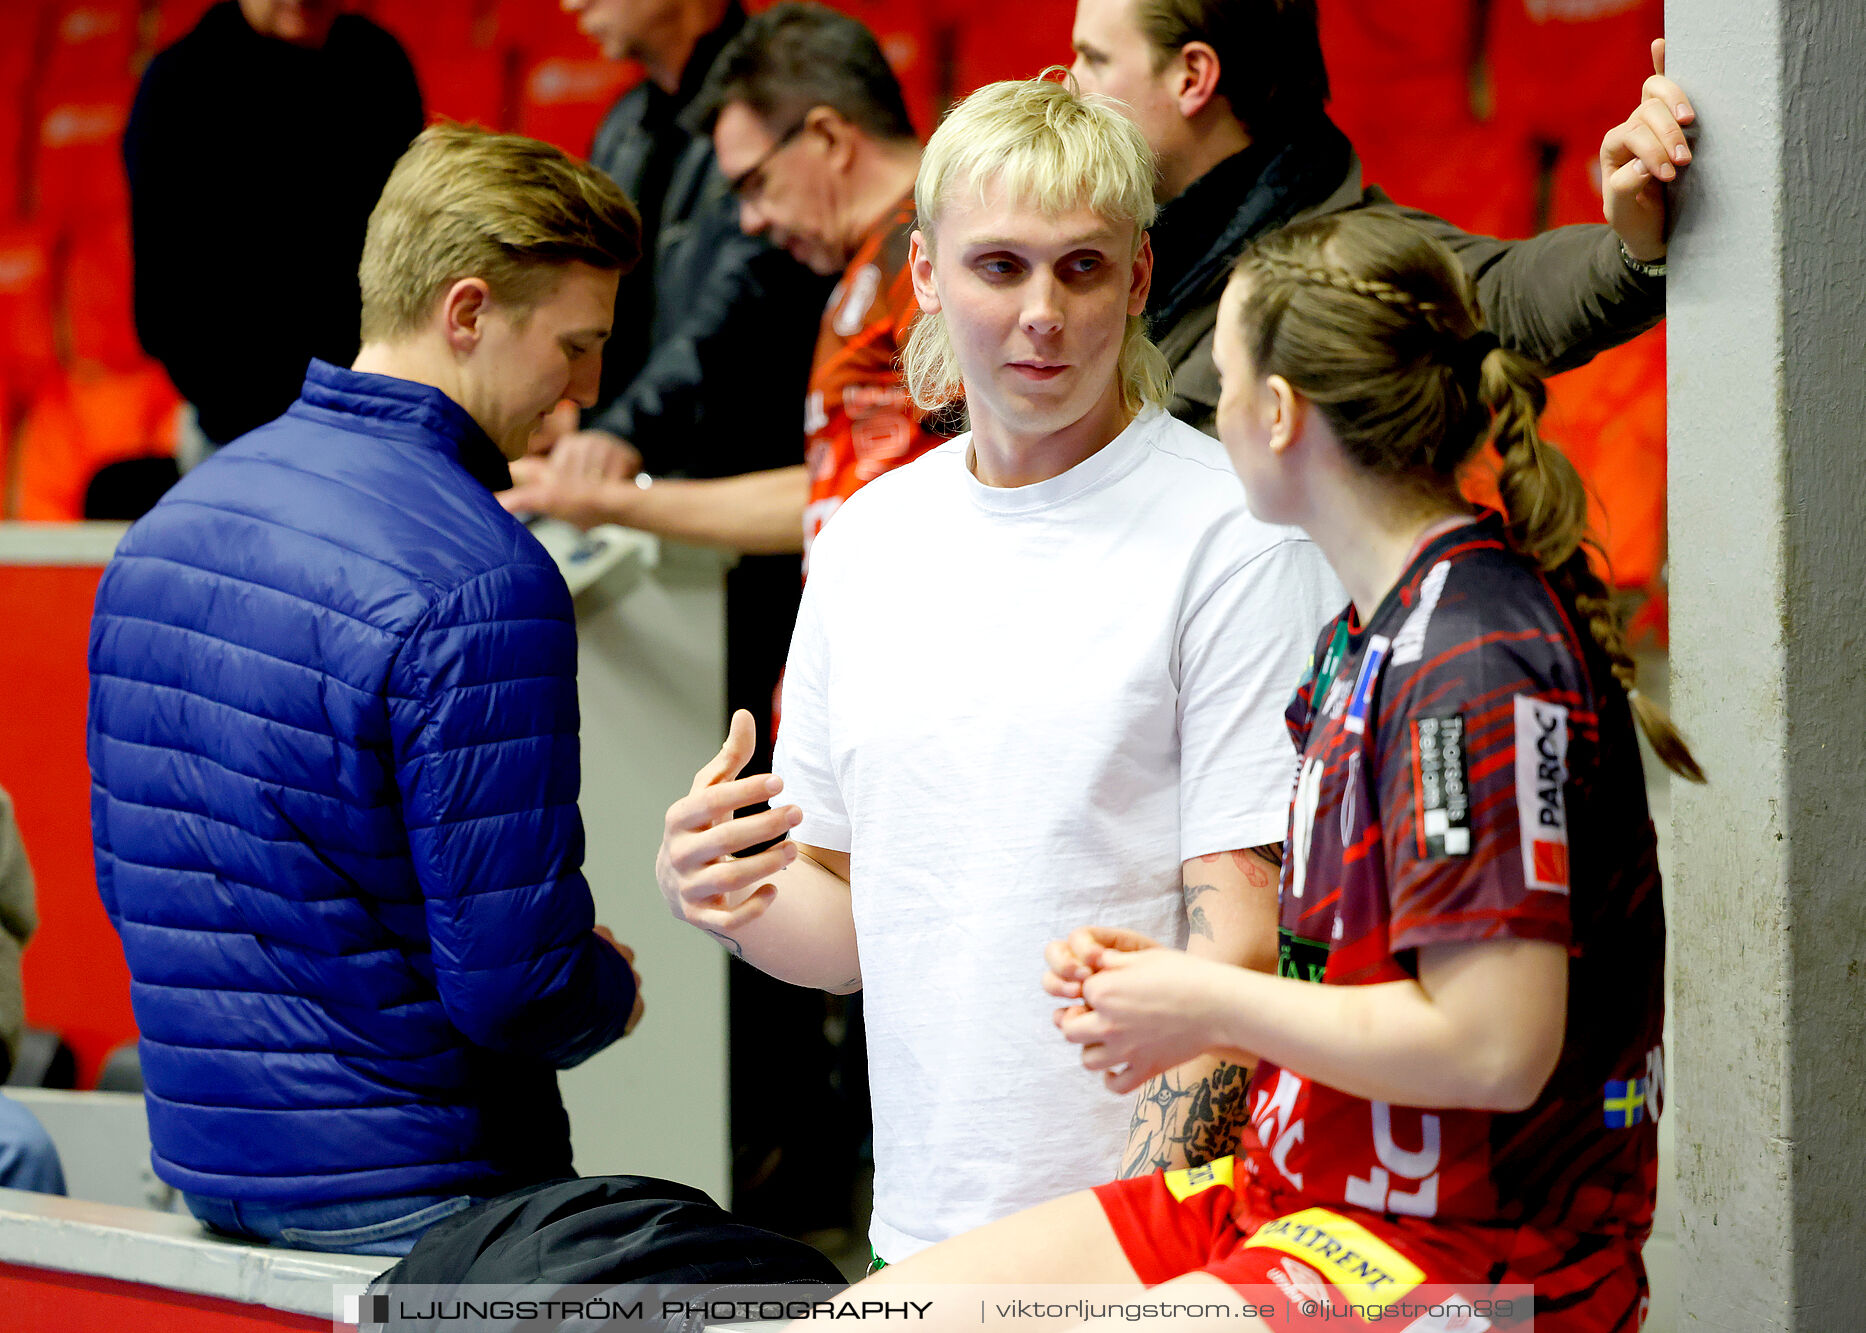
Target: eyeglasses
747	184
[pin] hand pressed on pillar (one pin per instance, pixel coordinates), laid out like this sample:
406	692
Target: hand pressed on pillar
1642	155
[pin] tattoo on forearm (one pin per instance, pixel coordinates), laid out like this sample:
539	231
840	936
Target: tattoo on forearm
1179	1123
733	947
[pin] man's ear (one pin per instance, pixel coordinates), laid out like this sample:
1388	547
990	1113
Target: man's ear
1143	277
1286	411
463	311
920	264
837	134
1197	78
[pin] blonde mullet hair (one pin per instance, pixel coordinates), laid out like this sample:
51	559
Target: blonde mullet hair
467	203
1043	143
1371	319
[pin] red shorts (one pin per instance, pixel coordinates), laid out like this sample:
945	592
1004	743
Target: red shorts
1177	1222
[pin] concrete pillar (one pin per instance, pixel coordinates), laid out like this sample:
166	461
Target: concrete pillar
1768	574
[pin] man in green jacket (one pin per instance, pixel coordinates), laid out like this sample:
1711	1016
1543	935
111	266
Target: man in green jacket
1230	95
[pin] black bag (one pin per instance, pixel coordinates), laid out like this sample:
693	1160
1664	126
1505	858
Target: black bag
596	1232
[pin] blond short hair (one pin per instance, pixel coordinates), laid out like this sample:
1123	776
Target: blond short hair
1042	142
468	203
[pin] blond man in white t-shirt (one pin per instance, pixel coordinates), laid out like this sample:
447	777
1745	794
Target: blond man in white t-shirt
1038	678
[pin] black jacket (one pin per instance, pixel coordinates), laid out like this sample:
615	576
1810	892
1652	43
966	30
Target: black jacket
601	1233
707	369
253	166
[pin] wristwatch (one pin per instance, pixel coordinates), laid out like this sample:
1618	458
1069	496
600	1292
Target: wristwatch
1643	268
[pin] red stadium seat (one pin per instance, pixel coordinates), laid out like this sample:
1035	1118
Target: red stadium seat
467	86
1609	417
462	70
90	45
1403	91
96	291
20	30
78	172
1400	66
1574	183
176	18
426	28
1565	71
81	422
8	424
22	21
562	100
1475	175
537	29
13	142
987	48
28	345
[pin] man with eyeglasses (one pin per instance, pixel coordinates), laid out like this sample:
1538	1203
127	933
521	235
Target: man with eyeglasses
679	318
811	129
713	328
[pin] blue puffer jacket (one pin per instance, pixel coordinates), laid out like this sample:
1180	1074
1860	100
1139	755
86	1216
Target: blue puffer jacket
333	749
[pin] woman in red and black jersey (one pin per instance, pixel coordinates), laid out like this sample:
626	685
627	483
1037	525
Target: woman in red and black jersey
1458	1069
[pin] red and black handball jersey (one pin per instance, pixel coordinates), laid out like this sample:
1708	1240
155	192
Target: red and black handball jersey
859	421
1462	779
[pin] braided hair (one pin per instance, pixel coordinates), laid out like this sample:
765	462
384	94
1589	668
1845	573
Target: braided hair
1373	321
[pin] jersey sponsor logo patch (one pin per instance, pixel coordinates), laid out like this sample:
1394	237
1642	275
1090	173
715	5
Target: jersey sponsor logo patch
1324	695
1298	1282
1277	1124
1444	790
1365	1268
1362	697
856	298
1302	824
864	400
1409	643
1191	1180
1300	959
1541	778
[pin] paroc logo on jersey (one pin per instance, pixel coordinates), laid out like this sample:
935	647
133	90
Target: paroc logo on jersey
1541	777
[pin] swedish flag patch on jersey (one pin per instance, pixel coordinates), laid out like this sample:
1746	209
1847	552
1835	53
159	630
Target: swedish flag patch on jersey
1624	1102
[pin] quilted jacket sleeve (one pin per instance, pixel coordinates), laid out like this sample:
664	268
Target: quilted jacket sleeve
485	731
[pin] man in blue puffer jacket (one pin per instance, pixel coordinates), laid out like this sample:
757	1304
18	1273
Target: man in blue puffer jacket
333	741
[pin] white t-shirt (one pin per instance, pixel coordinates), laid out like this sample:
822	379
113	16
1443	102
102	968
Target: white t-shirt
1019	710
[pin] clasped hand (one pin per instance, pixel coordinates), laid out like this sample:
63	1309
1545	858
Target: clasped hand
1141	1008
